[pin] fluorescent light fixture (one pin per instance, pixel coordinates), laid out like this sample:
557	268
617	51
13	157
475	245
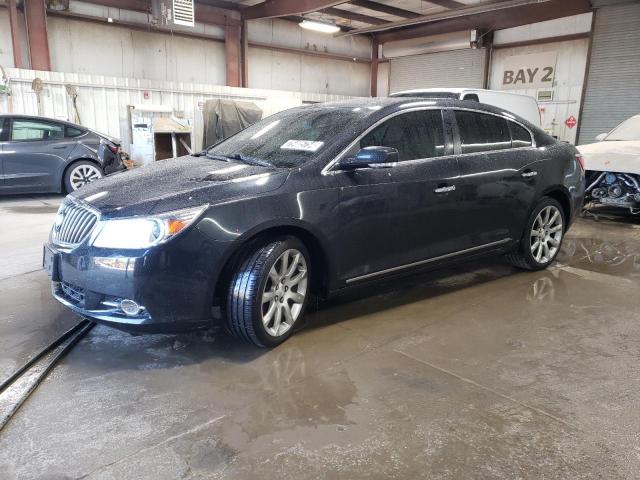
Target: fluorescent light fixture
324	27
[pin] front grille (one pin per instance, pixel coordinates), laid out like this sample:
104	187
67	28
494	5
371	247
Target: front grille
73	224
75	294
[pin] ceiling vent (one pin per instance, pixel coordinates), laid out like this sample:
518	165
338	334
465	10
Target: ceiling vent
167	13
183	13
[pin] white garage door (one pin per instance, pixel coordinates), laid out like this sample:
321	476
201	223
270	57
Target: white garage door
613	86
459	68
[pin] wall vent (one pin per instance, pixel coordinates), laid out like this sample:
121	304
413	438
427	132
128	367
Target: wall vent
545	95
183	13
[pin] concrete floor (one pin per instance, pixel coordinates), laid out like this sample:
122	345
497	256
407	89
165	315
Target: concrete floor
476	372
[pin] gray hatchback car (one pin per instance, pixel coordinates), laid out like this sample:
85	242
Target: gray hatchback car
40	155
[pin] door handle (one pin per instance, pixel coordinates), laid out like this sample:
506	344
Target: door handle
445	189
60	147
529	174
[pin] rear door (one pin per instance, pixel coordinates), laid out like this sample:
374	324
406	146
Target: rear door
405	213
498	176
35	154
5	123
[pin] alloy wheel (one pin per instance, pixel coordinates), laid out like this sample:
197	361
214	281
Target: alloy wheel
546	234
84	174
284	292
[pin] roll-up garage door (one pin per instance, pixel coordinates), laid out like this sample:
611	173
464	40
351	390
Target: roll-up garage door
612	93
458	68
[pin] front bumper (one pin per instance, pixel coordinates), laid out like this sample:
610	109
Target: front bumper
173	284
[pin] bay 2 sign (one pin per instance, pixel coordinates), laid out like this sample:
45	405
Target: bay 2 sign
535	70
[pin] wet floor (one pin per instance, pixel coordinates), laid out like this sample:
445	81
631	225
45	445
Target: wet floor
480	371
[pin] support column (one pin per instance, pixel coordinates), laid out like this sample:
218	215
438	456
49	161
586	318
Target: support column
15	34
232	50
245	54
374	67
36	18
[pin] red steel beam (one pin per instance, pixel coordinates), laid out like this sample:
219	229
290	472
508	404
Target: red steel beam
36	18
15	35
232	51
374	68
282	8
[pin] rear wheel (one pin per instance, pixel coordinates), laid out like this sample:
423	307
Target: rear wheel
542	238
268	292
80	174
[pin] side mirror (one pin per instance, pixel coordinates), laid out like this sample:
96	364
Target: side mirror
371	157
601	137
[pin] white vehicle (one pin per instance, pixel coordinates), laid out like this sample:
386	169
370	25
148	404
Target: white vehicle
522	105
612	167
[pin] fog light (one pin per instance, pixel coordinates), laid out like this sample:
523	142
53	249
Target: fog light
130	307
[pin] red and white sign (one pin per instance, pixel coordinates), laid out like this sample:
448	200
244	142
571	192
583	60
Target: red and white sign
571	122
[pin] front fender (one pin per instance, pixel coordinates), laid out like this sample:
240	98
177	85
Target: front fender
229	226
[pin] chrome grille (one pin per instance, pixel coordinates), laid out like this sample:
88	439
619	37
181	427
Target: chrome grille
73	224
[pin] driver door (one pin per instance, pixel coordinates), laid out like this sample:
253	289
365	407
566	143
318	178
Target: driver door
401	213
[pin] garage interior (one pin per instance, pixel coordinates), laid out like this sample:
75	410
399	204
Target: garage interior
473	371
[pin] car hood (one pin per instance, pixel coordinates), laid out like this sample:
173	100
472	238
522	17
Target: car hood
623	157
178	183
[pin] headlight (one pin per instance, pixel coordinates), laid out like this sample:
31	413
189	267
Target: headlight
143	232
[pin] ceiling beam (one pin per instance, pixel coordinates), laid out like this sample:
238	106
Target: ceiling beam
447	3
467	11
493	20
383	8
282	8
358	17
222	4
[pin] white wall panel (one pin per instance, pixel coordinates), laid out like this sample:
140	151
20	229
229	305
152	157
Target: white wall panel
6	49
567	86
571	25
131	53
103	100
289	71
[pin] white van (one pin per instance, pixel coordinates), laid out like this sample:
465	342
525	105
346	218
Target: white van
522	105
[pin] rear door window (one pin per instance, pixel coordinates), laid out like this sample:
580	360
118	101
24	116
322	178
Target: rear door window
415	135
520	137
481	132
26	129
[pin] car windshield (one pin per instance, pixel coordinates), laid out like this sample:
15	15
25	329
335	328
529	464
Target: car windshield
290	138
626	131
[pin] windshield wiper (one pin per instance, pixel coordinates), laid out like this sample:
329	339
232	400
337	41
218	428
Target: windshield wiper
242	158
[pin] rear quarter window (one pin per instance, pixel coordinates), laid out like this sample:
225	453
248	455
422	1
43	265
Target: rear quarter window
520	137
72	132
481	132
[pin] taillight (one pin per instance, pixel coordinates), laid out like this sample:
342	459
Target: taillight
114	148
580	159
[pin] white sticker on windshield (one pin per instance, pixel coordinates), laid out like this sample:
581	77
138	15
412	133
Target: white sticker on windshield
302	145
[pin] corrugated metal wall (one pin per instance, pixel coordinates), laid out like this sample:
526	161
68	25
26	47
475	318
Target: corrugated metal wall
458	68
613	84
103	101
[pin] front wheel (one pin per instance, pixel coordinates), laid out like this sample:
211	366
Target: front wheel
80	174
268	292
542	237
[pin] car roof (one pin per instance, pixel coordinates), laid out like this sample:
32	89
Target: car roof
458	91
39	117
386	105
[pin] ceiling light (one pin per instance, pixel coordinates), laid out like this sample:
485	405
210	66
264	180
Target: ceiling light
323	27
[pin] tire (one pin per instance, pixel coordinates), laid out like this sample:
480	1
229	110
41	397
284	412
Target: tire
260	308
534	255
81	173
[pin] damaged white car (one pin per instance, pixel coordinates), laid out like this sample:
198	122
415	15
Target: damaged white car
612	167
